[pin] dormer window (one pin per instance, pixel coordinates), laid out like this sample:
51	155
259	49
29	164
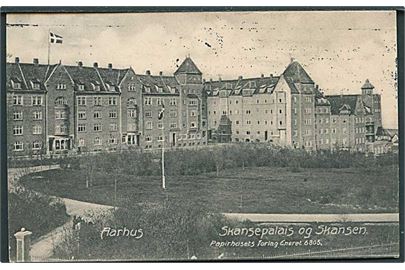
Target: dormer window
36	85
160	89
16	84
228	85
96	87
61	86
147	89
131	87
252	84
80	87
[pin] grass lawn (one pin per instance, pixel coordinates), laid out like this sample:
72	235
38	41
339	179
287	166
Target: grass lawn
255	190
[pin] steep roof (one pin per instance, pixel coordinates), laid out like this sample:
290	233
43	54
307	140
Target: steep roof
188	67
338	101
259	85
159	84
296	73
367	85
27	74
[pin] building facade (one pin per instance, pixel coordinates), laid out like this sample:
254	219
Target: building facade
59	109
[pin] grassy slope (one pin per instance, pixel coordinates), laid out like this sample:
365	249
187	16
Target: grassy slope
262	190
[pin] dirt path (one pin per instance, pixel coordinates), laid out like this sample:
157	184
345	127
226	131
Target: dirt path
296	218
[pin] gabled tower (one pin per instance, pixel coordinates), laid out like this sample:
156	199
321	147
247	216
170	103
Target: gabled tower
188	72
367	88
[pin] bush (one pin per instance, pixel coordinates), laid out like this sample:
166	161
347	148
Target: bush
37	213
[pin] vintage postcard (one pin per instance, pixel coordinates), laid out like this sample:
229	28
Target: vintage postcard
206	136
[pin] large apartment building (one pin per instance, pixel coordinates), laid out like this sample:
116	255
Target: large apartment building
290	110
66	109
60	108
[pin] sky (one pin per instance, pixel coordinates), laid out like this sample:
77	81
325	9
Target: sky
339	49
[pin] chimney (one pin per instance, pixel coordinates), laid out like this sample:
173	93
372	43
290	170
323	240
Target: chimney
148	72
80	64
210	80
240	77
95	65
109	66
160	73
220	79
203	80
271	75
262	76
17	60
35	61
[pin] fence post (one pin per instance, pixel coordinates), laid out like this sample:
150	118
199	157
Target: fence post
23	239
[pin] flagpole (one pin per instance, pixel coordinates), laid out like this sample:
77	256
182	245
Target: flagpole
163	157
49	47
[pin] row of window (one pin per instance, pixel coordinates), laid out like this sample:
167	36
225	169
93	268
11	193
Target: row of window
19	130
280	100
97	127
37	115
360	140
98	141
35	100
149	125
246	112
161	101
19	146
98	114
97	101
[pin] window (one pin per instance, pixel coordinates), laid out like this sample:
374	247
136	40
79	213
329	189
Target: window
18	130
97	115
247	111
173	114
280	111
160	101
192	102
193	125
18	116
281	122
81	142
112	101
97	101
80	87
193	113
308	110
60	114
131	87
173	101
81	115
148	138
248	122
237	122
16	85
112	114
173	125
61	86
81	128
37	145
60	101
160	125
247	132
36	100
37	129
81	101
148	101
97	127
18	146
149	125
112	140
17	100
160	138
60	129
36	85
132	113
97	141
113	127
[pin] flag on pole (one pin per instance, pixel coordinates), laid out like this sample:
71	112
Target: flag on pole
54	38
161	112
